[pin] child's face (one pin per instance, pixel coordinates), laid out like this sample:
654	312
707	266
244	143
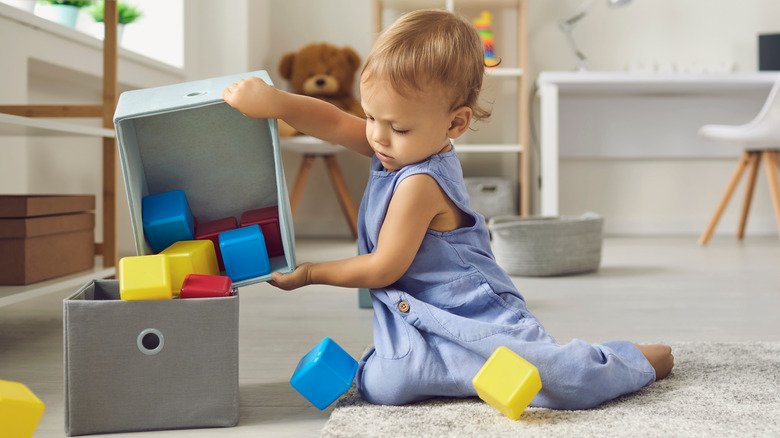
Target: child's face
404	130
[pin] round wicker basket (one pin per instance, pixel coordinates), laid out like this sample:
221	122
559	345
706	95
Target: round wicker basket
546	246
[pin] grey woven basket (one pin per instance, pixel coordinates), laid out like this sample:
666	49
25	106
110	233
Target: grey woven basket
546	246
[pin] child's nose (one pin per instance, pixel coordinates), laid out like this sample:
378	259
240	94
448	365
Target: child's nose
379	135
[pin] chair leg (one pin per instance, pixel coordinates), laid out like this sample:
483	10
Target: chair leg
724	200
300	181
342	192
755	161
770	161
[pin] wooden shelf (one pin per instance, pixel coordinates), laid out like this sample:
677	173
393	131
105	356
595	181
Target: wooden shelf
36	121
14	294
505	72
502	72
488	148
11	125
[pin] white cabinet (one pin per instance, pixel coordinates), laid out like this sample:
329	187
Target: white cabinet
505	135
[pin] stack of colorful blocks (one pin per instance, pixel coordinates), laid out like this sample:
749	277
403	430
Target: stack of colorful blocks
185	248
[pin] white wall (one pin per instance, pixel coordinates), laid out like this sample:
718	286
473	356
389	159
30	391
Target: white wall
655	195
643	195
242	35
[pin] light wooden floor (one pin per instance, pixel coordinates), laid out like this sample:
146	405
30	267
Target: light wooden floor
648	290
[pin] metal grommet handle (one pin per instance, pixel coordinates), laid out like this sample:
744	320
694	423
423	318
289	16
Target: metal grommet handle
150	341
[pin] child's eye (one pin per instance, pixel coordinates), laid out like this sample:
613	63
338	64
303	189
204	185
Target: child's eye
401	131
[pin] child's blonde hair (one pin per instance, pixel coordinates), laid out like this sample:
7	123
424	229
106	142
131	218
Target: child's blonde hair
431	47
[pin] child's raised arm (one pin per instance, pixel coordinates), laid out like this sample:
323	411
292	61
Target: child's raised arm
254	98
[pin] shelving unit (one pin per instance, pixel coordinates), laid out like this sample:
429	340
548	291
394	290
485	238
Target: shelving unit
516	72
35	121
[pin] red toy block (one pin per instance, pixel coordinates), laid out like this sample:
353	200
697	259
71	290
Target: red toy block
206	286
210	230
268	219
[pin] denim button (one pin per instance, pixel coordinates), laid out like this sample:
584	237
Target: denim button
403	306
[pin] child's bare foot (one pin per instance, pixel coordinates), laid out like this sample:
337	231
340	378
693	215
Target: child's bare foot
660	357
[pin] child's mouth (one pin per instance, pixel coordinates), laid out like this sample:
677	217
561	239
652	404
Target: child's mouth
382	157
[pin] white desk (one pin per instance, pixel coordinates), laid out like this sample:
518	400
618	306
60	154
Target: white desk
674	106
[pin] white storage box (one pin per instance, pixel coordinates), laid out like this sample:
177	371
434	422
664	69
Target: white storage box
491	196
545	246
185	137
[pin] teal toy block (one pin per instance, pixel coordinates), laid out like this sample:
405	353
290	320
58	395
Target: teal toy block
244	253
167	219
324	374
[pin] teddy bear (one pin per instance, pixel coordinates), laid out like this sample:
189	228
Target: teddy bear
323	71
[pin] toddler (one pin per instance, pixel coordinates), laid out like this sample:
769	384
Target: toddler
441	303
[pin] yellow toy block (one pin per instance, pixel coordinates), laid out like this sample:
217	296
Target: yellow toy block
145	278
20	410
190	257
507	382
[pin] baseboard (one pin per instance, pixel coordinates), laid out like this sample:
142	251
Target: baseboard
758	226
322	228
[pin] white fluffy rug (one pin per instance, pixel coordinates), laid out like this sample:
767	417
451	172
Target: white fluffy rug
715	390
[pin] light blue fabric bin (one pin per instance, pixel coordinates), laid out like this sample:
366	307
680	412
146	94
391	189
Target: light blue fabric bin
185	137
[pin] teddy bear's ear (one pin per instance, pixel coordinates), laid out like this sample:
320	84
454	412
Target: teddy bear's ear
286	65
352	57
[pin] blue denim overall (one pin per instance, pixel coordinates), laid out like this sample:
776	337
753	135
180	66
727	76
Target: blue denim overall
436	326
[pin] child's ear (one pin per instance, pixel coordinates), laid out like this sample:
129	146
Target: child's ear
460	120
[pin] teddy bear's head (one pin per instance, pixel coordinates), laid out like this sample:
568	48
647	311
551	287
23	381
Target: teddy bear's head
321	70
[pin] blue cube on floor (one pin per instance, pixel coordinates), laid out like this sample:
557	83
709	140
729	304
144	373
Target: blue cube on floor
167	219
324	374
244	253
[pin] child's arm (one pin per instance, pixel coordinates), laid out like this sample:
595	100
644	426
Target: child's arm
416	203
315	117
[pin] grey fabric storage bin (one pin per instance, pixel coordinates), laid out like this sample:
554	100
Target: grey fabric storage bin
546	246
492	196
118	379
186	137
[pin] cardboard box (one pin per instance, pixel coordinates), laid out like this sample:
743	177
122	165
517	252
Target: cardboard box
148	365
45	236
185	137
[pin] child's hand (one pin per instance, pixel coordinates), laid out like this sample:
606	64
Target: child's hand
253	97
299	277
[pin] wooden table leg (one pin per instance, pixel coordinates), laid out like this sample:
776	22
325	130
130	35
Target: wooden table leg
300	181
342	192
770	161
755	161
724	200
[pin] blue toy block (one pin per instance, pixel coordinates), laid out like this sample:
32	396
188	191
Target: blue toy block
167	219
244	253
324	374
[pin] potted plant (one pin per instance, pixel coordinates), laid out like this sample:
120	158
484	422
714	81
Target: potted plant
64	12
126	14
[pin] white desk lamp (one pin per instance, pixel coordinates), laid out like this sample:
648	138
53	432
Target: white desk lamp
567	26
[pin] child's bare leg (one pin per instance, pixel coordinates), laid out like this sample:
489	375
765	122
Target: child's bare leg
660	357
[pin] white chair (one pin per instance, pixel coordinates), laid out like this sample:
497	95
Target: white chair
760	139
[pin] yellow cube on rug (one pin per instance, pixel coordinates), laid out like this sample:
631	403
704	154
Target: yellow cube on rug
190	257
20	410
507	382
145	278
